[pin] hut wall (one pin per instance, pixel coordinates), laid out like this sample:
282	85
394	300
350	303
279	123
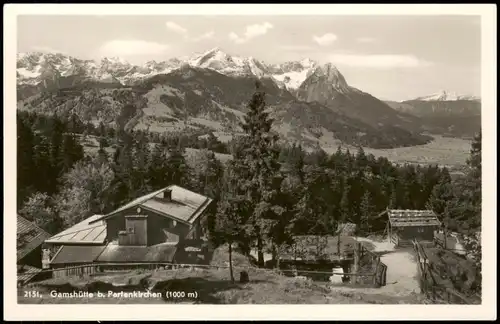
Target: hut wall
420	233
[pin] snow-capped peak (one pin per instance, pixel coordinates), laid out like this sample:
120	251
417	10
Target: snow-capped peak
332	74
308	63
289	75
214	54
444	95
115	60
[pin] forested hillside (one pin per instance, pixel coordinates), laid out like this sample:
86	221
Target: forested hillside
267	192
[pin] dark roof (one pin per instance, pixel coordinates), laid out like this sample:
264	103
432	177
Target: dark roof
119	253
403	218
184	206
25	273
68	254
346	228
29	237
82	233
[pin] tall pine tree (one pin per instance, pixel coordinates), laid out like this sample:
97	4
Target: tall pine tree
256	165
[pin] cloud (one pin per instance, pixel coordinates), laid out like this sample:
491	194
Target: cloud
382	61
132	47
326	39
366	40
207	35
251	31
176	28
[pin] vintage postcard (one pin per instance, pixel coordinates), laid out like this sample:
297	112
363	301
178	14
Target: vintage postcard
200	158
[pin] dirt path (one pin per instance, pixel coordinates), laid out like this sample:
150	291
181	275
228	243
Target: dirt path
402	271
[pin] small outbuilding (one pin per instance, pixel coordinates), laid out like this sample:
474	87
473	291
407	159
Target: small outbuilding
403	226
29	250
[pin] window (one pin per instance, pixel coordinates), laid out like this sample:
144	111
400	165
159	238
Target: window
130	230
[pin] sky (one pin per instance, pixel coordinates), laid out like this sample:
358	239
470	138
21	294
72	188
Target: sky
390	57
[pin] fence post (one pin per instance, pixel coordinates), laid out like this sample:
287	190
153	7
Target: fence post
376	271
356	262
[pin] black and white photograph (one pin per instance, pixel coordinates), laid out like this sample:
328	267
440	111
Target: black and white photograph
333	156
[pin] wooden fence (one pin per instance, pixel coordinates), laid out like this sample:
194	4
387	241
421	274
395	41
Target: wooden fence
376	277
95	268
370	269
434	291
441	243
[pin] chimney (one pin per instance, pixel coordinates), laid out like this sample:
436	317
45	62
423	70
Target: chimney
167	195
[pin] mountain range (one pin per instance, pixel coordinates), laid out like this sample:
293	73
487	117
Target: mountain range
311	102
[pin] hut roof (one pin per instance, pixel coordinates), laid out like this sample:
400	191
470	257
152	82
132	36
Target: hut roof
183	205
29	237
406	217
85	232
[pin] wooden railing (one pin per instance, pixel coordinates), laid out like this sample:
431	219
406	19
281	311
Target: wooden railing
93	269
441	243
431	287
371	267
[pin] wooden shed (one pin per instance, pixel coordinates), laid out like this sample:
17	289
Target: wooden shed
403	226
30	239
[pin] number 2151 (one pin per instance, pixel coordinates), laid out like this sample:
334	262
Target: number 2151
31	294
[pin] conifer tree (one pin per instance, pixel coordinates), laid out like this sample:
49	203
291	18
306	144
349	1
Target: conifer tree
178	170
71	152
25	160
474	174
43	166
232	209
367	210
158	168
256	164
345	212
361	159
142	157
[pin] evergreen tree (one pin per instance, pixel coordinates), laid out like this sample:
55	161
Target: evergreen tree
345	207
316	211
141	161
256	164
26	164
473	189
71	153
178	170
43	166
56	155
123	167
361	159
158	168
367	211
318	157
393	198
345	212
231	216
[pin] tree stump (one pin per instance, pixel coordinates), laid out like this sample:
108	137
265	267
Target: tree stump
244	277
